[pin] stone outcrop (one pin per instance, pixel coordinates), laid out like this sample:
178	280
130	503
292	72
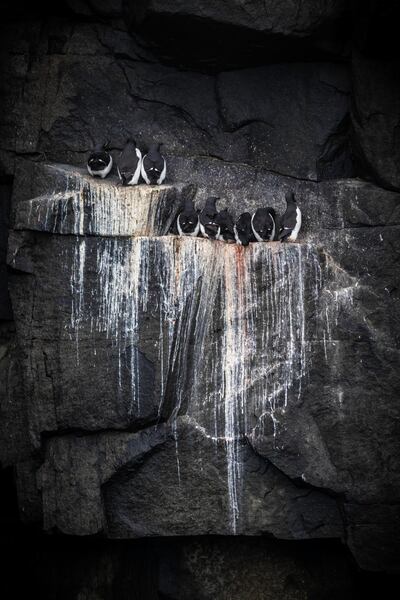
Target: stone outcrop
287	119
175	377
288	18
376	119
153	386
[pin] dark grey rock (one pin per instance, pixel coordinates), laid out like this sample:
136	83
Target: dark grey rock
374	533
104	8
157	386
270	114
202	568
123	502
15	444
375	118
29	497
287	18
291	119
253	374
5	305
262	569
80	204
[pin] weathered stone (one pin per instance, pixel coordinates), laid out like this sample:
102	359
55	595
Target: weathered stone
90	206
375	118
15	444
29	497
287	18
291	119
118	495
5	305
255	105
105	8
203	568
264	363
260	569
157	386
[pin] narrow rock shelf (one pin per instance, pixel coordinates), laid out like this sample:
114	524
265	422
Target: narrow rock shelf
82	205
169	377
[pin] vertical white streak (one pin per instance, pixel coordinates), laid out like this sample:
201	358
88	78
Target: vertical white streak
231	336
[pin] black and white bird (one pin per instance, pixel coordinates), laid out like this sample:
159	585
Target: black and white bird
263	224
154	167
208	224
129	163
243	231
226	225
188	220
100	161
290	221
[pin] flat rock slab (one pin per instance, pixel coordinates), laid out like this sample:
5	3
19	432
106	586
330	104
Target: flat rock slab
151	326
87	205
190	497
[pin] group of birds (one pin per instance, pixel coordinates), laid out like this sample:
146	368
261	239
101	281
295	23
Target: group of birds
131	164
261	226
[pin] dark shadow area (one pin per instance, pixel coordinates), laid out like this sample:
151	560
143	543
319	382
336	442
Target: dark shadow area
376	28
5	203
67	568
205	45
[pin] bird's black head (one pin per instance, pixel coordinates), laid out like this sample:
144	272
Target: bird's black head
244	232
97	161
188	209
263	223
188	221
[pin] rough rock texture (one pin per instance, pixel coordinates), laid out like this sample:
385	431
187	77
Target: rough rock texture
198	116
259	569
155	386
252	373
80	204
293	17
376	122
5	306
72	568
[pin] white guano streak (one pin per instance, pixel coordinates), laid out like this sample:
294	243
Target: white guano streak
98	210
263	353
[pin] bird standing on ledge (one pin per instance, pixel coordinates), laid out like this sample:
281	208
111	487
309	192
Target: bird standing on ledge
208	225
225	222
263	224
243	231
154	167
188	220
100	161
129	163
290	221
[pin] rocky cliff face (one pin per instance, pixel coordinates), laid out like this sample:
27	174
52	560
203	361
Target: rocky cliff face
175	377
159	386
